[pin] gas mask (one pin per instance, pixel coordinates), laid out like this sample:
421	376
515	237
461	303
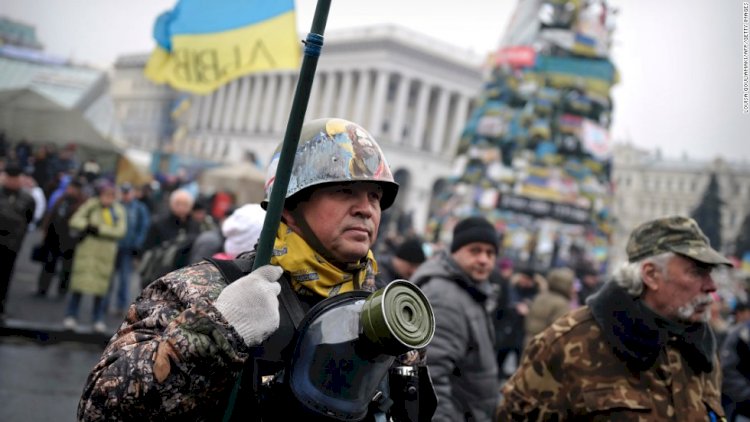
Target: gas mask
347	343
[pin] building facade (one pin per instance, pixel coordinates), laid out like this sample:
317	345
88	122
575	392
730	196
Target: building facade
648	186
413	93
143	108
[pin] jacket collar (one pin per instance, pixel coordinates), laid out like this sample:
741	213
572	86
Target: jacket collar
454	272
638	334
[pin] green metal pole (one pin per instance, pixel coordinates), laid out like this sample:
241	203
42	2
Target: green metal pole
313	45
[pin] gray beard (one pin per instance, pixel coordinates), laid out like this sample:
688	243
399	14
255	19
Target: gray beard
687	310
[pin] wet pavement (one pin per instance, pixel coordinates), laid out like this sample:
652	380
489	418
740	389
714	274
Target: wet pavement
29	315
43	367
43	382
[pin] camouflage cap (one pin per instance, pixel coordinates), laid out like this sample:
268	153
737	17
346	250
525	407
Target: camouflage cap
672	234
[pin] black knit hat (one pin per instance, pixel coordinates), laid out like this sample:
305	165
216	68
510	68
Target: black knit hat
473	229
410	250
12	169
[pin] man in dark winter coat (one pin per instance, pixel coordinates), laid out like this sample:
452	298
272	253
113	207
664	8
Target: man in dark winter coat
589	283
735	370
177	221
176	230
58	242
510	318
16	212
408	257
461	356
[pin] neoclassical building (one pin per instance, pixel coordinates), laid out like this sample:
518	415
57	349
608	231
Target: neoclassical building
143	108
413	93
649	186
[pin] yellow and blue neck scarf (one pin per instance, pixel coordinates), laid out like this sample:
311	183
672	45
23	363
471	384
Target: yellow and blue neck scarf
312	274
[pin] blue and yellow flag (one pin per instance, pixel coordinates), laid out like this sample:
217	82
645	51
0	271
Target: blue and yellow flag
203	44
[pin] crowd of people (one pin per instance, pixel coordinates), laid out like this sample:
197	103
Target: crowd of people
97	234
511	342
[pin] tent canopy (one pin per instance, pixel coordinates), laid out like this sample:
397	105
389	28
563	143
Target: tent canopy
245	180
26	114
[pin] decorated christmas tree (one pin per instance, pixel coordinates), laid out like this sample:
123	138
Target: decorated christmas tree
535	155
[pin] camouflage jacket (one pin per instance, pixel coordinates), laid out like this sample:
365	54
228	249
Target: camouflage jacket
174	356
574	371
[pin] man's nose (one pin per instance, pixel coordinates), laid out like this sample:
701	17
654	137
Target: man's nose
362	204
709	284
484	257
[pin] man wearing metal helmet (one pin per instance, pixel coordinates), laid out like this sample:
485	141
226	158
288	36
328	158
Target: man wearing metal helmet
640	349
191	333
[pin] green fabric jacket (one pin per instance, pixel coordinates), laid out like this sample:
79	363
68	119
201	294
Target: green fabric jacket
94	258
550	305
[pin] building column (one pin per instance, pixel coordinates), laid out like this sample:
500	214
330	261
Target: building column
196	101
327	101
314	102
268	108
420	115
459	120
240	115
343	108
439	121
206	101
282	103
231	105
378	104
205	148
396	129
213	152
255	101
217	113
195	144
361	97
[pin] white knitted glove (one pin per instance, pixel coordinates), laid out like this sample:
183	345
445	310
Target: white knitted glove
250	304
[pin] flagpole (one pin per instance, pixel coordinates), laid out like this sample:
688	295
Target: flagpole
313	45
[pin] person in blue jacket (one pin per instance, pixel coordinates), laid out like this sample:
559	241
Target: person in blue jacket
129	246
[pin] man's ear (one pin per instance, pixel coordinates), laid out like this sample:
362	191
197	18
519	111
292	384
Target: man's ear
288	217
650	274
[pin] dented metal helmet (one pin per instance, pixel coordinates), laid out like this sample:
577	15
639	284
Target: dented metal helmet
334	150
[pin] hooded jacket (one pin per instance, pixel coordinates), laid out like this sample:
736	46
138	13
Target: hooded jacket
549	305
611	360
461	356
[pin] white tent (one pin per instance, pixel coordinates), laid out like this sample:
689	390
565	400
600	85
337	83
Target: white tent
245	180
26	114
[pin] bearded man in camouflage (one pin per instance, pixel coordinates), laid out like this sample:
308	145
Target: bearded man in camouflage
640	350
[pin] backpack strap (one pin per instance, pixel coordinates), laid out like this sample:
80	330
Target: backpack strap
291	303
232	270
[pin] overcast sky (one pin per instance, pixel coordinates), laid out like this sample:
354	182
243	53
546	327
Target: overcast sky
680	61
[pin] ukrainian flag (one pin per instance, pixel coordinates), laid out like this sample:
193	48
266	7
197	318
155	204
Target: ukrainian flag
203	44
